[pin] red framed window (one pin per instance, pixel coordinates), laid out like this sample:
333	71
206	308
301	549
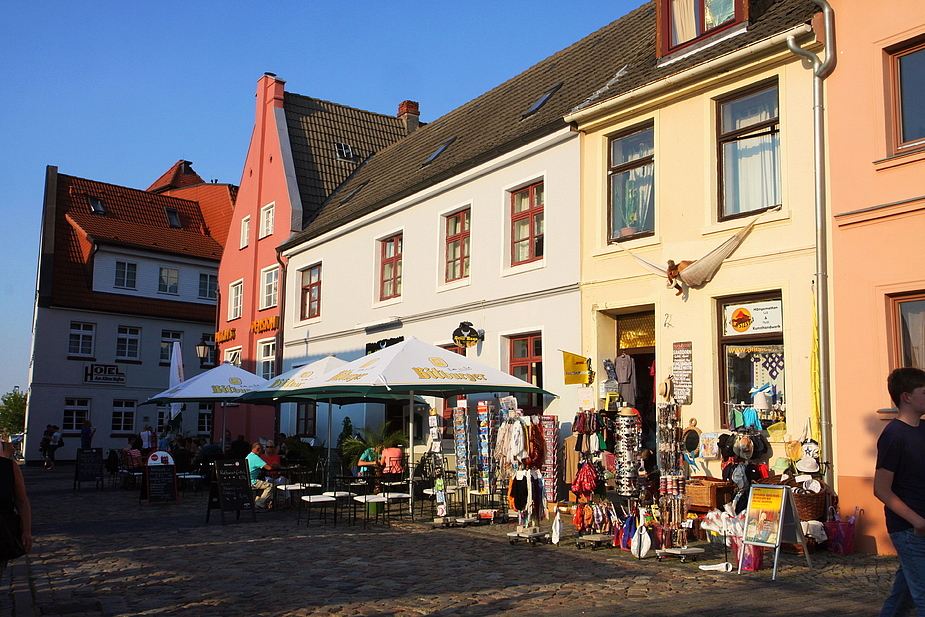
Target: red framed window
390	267
907	314
907	84
457	245
526	363
682	22
527	224
311	292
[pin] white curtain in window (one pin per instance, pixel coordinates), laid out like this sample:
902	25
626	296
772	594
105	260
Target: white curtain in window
750	173
683	23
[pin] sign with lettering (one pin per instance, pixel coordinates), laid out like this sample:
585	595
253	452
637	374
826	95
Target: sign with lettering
682	372
753	318
266	324
231	489
159	484
103	373
771	519
89	467
223	336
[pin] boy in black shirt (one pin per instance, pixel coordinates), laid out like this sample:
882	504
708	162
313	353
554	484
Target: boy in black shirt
899	482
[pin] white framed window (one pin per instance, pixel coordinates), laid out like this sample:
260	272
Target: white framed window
169	281
123	416
163	417
233	356
128	343
245	232
266	220
80	342
126	275
269	287
208	286
235	300
167	339
76	411
204	424
266	358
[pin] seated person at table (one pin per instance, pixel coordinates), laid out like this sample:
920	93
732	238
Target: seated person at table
368	461
391	464
255	464
133	460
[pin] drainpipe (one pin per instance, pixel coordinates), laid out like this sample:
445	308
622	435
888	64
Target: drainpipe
821	69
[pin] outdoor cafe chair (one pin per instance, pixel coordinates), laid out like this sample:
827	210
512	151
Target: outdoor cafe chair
308	502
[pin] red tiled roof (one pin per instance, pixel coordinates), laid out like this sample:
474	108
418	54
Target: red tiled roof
216	201
181	174
132	218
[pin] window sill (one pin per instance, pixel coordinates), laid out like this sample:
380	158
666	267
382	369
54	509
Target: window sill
127	361
615	248
309	321
82	358
463	282
388	302
737	223
899	159
529	266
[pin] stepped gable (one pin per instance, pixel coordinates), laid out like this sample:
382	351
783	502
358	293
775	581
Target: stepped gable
494	123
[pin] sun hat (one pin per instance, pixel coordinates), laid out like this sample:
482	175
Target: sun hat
782	464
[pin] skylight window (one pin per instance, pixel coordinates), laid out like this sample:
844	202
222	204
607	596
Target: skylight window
352	193
541	101
96	205
345	152
438	151
173	218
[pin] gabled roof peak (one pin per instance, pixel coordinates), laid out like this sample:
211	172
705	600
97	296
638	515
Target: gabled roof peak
180	175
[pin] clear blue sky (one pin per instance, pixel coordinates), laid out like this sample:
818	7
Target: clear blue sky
118	92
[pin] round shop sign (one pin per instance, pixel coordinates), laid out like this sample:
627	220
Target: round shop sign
741	319
160	457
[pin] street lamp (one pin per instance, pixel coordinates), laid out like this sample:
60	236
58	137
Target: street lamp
202	350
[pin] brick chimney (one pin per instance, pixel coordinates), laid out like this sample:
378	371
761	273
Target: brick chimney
410	114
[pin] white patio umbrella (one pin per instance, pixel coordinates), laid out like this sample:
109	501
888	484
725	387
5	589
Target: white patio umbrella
415	367
176	376
290	387
222	384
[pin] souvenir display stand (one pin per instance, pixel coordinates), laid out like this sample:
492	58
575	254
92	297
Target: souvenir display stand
550	425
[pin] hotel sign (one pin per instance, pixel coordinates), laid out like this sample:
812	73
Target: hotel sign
103	373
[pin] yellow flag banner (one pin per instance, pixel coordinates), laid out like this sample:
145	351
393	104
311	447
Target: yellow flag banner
577	368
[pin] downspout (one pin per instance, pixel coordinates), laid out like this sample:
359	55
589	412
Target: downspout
821	69
280	335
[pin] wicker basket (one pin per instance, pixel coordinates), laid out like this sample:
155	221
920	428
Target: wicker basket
708	493
810	506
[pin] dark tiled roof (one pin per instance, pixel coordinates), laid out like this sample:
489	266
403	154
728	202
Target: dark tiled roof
181	174
315	126
492	123
133	218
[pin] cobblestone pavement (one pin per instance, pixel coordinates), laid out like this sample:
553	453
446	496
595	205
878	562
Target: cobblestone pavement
100	552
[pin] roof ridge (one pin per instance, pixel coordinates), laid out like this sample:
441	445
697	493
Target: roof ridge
365	111
141	191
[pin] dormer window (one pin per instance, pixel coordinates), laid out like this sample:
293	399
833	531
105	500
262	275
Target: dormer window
345	152
173	218
541	101
438	151
682	22
96	205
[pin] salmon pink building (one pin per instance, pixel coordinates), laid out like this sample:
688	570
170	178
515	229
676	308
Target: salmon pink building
301	149
876	132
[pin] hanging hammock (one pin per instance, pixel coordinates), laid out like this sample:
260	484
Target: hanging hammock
704	269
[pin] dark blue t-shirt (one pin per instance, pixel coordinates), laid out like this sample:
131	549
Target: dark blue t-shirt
901	449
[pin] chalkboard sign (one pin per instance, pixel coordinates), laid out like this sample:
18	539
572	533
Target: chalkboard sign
89	467
231	489
159	484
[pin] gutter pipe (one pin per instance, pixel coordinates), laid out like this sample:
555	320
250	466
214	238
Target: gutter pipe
821	70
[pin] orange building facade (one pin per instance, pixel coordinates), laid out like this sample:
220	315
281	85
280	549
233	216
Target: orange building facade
876	166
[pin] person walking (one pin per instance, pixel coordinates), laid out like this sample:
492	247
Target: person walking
899	482
52	448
